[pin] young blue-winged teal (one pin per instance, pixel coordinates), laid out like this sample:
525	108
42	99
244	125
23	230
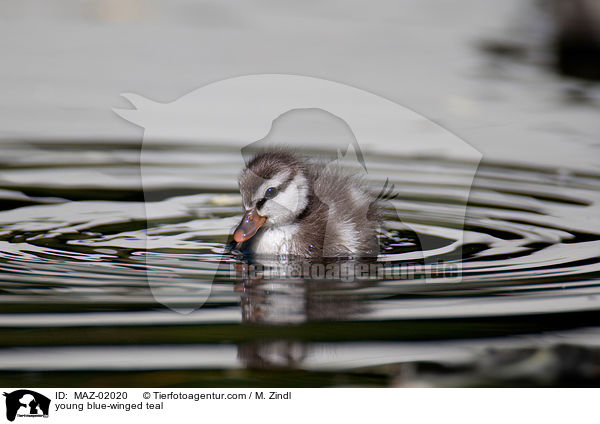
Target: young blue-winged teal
299	207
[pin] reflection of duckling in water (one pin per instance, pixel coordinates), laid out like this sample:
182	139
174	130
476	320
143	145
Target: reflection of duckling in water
318	214
299	208
285	302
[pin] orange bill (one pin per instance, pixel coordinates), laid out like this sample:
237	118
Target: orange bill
251	222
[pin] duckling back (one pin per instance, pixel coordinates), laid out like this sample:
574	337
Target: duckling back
347	215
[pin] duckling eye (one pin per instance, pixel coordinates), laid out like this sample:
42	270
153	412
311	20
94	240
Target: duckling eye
271	192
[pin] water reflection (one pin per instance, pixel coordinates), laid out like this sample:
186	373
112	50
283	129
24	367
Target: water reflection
76	260
293	301
299	300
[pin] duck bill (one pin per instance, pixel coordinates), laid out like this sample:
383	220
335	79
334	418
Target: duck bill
251	222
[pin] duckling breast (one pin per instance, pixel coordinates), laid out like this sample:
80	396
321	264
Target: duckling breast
276	240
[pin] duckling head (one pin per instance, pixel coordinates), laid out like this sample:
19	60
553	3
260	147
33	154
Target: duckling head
275	191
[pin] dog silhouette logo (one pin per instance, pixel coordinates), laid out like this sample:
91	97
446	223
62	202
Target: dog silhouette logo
250	112
26	403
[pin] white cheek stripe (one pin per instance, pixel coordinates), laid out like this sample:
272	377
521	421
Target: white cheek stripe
276	181
286	206
290	197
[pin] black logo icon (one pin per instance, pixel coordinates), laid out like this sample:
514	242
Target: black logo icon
32	401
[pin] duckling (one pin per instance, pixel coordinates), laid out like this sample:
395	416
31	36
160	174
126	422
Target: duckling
302	208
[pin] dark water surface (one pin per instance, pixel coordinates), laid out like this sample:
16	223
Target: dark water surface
100	289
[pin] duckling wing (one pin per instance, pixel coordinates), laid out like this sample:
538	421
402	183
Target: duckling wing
351	217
